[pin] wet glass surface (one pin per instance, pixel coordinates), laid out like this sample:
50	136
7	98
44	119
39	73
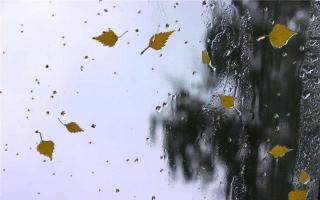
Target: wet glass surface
274	103
152	125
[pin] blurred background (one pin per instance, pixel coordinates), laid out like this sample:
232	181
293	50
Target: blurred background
153	124
114	88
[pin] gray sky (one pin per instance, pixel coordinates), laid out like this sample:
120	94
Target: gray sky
119	104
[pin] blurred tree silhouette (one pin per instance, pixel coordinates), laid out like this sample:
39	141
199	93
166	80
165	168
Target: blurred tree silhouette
265	81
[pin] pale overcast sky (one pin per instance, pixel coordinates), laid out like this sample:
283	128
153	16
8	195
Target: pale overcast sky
118	91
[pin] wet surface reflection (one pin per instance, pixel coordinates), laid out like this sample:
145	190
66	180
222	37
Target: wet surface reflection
199	135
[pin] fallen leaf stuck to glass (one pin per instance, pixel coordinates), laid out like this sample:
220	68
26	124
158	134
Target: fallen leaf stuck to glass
205	58
298	194
46	148
227	101
158	41
108	38
304	177
72	127
278	151
280	35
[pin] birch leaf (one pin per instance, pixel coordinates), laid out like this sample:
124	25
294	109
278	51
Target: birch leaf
46	148
205	58
298	194
227	101
278	151
73	127
280	35
158	41
108	38
304	177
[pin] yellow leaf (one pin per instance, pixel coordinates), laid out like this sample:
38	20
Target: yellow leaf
108	38
73	127
298	195
280	35
205	58
227	101
157	41
46	148
279	151
304	177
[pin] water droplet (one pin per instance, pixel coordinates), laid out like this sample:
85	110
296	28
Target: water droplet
158	108
301	48
314	59
306	94
313	42
302	75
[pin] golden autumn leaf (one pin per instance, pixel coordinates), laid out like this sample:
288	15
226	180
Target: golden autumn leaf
205	58
280	35
304	177
227	101
72	127
278	151
157	41
46	148
298	194
108	38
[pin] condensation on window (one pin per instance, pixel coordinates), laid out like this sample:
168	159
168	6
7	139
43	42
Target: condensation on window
160	100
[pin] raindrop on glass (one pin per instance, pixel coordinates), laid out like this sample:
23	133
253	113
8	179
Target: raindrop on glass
158	108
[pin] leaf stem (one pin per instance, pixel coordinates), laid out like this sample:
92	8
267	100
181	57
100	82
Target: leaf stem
236	87
40	136
225	83
262	38
61	121
144	50
123	34
238	111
